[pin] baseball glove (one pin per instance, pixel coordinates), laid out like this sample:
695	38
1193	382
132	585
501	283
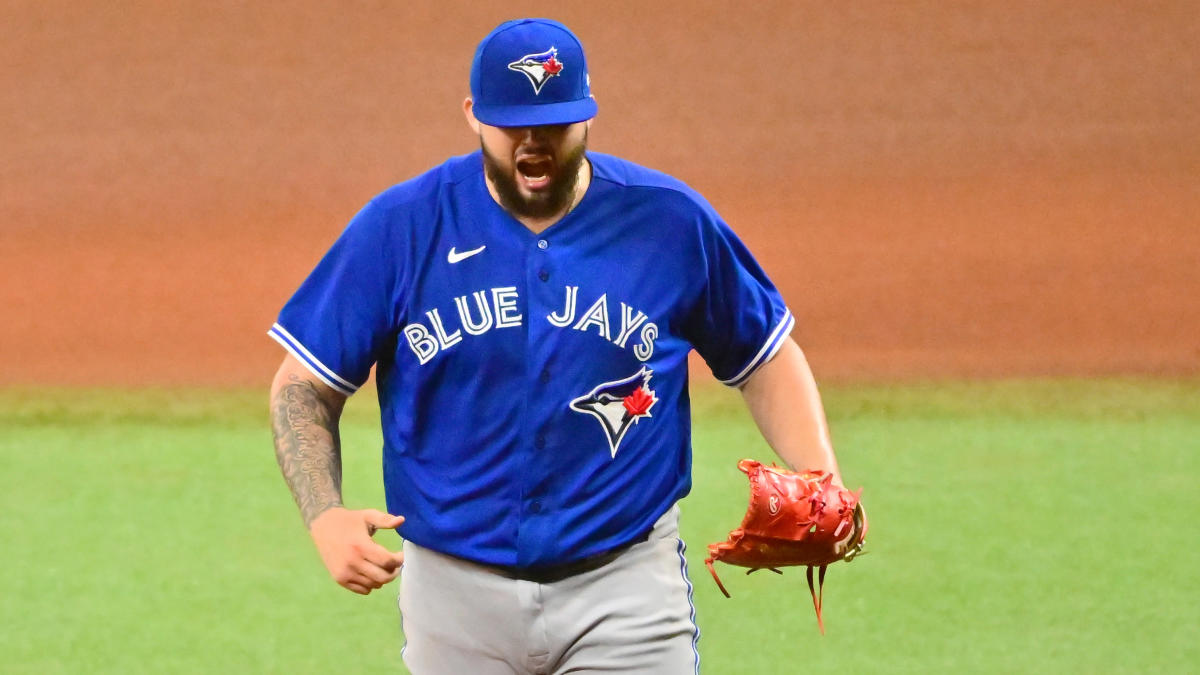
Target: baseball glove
794	518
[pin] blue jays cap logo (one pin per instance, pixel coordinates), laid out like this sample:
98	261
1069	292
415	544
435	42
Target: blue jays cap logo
619	405
539	68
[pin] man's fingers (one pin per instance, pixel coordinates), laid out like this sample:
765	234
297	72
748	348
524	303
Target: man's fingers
380	564
374	573
382	557
364	577
378	520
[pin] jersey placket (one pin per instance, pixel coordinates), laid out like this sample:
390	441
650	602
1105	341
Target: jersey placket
535	536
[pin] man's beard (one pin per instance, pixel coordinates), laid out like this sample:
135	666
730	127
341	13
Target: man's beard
557	199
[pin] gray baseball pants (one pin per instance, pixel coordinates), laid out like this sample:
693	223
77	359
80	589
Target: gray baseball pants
632	615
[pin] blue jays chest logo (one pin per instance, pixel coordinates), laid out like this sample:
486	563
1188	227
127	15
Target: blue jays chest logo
539	68
619	405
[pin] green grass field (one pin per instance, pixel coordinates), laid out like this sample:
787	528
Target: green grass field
1017	526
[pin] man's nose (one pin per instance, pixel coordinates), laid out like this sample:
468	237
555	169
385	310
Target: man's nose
534	133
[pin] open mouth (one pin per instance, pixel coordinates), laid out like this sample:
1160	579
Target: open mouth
535	171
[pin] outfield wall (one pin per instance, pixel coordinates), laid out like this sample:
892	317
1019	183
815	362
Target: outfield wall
964	189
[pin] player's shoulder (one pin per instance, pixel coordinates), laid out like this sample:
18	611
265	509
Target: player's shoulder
674	201
653	183
422	191
649	183
411	207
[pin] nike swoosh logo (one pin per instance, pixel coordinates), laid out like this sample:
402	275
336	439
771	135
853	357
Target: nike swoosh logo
455	256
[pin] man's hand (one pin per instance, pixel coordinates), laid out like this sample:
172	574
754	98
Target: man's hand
354	560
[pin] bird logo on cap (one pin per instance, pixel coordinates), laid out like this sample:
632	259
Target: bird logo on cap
539	68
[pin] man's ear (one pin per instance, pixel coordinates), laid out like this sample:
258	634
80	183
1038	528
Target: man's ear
469	112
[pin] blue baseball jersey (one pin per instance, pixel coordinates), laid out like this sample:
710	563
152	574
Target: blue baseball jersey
533	387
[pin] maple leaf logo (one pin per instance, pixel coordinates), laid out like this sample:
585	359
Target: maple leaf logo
637	403
552	66
619	405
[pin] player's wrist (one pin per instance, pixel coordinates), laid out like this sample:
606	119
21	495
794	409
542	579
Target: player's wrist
314	515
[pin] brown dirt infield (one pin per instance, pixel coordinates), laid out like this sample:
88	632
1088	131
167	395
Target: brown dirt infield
941	189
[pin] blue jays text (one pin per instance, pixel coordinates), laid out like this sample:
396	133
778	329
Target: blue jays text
498	308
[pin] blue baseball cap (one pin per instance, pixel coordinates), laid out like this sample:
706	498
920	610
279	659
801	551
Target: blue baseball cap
531	72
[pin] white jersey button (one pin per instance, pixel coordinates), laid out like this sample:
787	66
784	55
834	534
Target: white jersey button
543	244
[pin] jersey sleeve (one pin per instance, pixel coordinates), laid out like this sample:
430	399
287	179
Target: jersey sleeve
341	318
740	320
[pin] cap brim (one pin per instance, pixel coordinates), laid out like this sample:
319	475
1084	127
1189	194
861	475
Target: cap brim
568	112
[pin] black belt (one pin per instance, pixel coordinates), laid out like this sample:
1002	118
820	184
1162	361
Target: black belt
548	574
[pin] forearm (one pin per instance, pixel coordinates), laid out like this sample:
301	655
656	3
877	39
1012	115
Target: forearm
783	400
304	420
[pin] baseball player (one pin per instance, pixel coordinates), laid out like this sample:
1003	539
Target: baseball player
529	309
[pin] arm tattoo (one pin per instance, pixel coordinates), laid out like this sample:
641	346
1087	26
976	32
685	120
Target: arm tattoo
307	447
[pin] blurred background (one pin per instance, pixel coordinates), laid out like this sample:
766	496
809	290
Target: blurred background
941	189
985	216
